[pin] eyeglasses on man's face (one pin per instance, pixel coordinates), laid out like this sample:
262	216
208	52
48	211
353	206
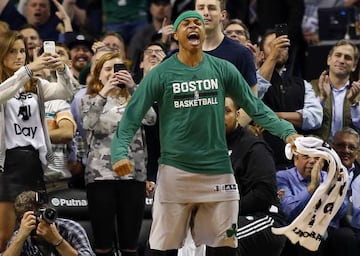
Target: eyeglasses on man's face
237	32
152	51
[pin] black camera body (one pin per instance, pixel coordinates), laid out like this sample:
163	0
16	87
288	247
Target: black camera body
48	214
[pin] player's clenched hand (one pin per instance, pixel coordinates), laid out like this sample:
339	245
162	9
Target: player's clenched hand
123	167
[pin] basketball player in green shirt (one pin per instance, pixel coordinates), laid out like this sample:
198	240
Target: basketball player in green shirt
195	180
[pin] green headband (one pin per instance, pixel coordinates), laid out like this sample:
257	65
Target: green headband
185	15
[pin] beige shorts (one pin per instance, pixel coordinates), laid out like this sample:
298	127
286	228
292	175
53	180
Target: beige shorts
212	221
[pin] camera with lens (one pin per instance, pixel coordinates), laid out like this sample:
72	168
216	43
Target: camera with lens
42	211
48	214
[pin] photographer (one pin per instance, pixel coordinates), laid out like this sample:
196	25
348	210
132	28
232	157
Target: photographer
41	233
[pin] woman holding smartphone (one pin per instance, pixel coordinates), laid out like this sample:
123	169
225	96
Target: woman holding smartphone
113	195
25	147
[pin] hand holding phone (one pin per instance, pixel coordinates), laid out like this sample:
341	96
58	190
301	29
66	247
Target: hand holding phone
49	47
281	29
118	67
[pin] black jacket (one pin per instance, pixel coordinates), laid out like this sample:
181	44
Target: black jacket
254	170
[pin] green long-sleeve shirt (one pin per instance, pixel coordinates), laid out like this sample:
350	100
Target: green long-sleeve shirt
191	113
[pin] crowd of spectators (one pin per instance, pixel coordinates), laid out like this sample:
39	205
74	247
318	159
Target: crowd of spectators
62	108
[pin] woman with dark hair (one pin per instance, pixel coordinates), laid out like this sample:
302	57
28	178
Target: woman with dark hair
25	146
113	195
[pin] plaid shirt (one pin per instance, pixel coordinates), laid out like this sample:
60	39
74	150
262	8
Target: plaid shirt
70	230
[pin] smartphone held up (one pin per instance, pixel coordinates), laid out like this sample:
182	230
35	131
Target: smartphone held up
118	67
281	29
49	46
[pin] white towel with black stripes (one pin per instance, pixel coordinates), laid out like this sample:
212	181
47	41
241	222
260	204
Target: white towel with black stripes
310	226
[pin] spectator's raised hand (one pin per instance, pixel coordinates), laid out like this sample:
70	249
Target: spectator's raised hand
40	62
280	193
27	225
167	31
278	45
48	231
354	93
44	72
315	176
109	85
96	45
255	50
124	77
324	86
56	63
64	17
36	52
252	47
75	13
154	56
51	61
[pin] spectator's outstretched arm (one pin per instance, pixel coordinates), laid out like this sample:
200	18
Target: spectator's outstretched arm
293	201
324	86
312	112
27	224
63	15
76	14
310	116
50	233
64	132
277	45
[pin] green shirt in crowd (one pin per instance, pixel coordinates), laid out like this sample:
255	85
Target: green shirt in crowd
119	11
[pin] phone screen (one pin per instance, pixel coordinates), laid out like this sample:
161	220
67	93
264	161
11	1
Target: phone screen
118	67
49	46
280	29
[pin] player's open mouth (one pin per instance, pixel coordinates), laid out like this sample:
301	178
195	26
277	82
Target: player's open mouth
194	38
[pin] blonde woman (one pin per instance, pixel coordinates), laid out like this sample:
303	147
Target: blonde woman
110	195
